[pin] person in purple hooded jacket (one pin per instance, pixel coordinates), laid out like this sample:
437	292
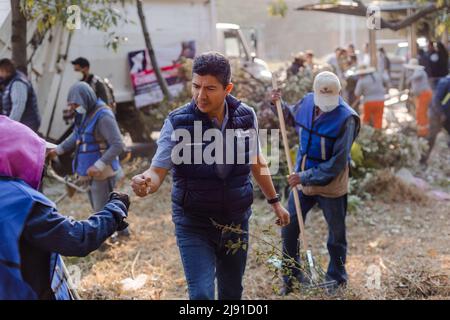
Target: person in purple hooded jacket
32	232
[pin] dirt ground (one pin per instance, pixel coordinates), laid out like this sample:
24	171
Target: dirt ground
397	249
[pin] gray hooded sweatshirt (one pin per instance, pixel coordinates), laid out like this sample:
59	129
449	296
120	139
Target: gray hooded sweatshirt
106	128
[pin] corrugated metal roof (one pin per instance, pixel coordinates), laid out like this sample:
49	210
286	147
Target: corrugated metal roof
358	8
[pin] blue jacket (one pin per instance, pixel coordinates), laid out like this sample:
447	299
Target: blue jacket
440	100
197	189
33	234
30	116
317	137
88	149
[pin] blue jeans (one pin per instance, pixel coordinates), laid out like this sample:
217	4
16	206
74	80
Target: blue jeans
204	256
334	210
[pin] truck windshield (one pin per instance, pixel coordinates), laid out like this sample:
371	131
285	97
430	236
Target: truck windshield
233	45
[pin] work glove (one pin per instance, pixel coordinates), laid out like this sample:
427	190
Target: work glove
122	197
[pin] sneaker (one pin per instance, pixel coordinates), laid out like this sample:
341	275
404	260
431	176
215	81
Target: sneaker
285	290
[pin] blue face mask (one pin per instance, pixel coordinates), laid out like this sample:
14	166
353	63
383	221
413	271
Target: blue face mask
80	110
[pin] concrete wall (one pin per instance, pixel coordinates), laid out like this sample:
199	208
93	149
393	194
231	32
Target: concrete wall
297	31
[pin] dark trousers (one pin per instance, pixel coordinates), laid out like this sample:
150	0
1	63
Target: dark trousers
334	210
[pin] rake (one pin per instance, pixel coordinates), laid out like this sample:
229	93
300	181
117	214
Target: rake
71	187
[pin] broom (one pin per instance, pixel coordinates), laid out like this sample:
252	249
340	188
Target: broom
313	269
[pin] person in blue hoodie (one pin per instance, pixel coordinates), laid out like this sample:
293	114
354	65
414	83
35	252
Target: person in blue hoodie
97	143
33	234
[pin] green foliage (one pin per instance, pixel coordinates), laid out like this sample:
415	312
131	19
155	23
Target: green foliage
97	14
375	151
354	203
295	87
438	21
278	8
233	247
357	154
252	91
268	253
382	150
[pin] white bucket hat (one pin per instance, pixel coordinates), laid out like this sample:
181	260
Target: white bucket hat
326	91
413	64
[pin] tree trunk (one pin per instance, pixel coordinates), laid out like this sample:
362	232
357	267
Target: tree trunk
373	48
412	37
161	81
445	37
410	19
19	37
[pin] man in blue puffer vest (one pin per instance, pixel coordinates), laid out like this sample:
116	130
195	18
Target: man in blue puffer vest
19	101
32	232
327	127
205	190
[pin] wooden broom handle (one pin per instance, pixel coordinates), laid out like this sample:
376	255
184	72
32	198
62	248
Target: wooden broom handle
298	207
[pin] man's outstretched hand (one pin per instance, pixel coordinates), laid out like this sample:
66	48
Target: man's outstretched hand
122	197
141	185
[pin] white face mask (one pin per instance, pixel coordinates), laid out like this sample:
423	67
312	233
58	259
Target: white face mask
80	110
327	108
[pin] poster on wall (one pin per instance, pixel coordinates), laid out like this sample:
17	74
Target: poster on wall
143	77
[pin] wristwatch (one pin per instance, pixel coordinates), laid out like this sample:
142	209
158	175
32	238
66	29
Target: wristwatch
274	200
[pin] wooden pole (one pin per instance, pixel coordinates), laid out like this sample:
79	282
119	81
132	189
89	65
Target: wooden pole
290	166
412	36
445	37
19	37
298	208
373	48
151	52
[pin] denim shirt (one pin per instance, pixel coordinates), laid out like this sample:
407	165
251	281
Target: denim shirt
50	231
326	171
